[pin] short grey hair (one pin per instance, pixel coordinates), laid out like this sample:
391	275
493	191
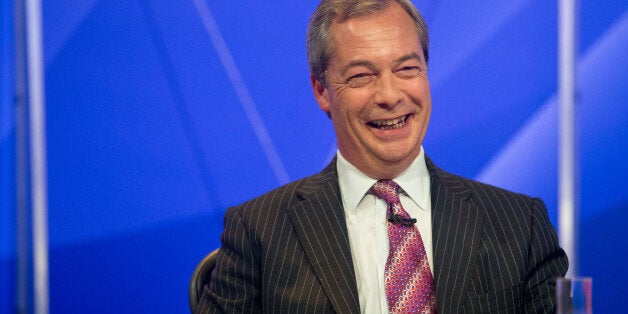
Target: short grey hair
318	41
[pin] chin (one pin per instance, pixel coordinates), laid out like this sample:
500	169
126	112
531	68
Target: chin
394	159
401	151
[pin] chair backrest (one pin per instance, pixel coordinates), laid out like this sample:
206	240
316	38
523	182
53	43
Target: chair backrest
201	276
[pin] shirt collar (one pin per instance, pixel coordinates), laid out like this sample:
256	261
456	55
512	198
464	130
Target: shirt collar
354	184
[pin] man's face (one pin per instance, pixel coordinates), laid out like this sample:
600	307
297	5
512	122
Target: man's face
377	92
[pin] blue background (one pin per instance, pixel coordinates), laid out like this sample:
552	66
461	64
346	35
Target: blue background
149	142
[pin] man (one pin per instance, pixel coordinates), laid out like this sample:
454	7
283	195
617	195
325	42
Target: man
382	229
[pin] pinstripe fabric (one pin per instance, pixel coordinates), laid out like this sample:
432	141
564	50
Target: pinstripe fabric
494	250
287	251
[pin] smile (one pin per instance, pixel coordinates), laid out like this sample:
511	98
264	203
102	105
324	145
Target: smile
390	124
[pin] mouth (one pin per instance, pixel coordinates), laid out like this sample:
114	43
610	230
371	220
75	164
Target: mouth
389	124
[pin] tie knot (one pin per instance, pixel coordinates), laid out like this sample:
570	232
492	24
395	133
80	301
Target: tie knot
387	190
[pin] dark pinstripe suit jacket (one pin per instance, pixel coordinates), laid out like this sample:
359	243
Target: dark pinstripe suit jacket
287	251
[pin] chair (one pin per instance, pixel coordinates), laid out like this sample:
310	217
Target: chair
201	276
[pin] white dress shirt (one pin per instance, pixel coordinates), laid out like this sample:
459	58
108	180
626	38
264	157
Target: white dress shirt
368	232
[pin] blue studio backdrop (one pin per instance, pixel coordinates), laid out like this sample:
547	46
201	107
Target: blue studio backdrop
161	114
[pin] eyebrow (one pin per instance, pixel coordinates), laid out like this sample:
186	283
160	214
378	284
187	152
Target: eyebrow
355	63
368	64
410	56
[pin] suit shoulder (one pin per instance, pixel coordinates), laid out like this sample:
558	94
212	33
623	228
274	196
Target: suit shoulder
480	193
502	192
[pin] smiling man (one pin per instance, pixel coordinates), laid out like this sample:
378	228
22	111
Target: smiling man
376	91
381	228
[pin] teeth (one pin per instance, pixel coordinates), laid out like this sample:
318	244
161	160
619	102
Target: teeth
390	124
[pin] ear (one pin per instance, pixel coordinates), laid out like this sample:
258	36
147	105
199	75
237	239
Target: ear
321	95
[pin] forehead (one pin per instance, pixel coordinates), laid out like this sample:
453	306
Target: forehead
389	29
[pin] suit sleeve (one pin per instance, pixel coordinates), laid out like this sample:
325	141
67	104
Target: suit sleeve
234	287
546	261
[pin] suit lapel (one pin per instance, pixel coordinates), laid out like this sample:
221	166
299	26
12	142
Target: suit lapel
319	221
457	225
320	225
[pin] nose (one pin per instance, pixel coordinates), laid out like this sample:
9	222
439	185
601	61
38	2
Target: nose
388	93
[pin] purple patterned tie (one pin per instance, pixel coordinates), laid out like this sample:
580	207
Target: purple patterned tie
409	284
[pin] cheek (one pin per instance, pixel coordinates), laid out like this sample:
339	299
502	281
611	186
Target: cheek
344	105
425	87
420	94
357	101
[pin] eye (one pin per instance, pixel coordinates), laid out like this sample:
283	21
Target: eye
409	71
359	79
